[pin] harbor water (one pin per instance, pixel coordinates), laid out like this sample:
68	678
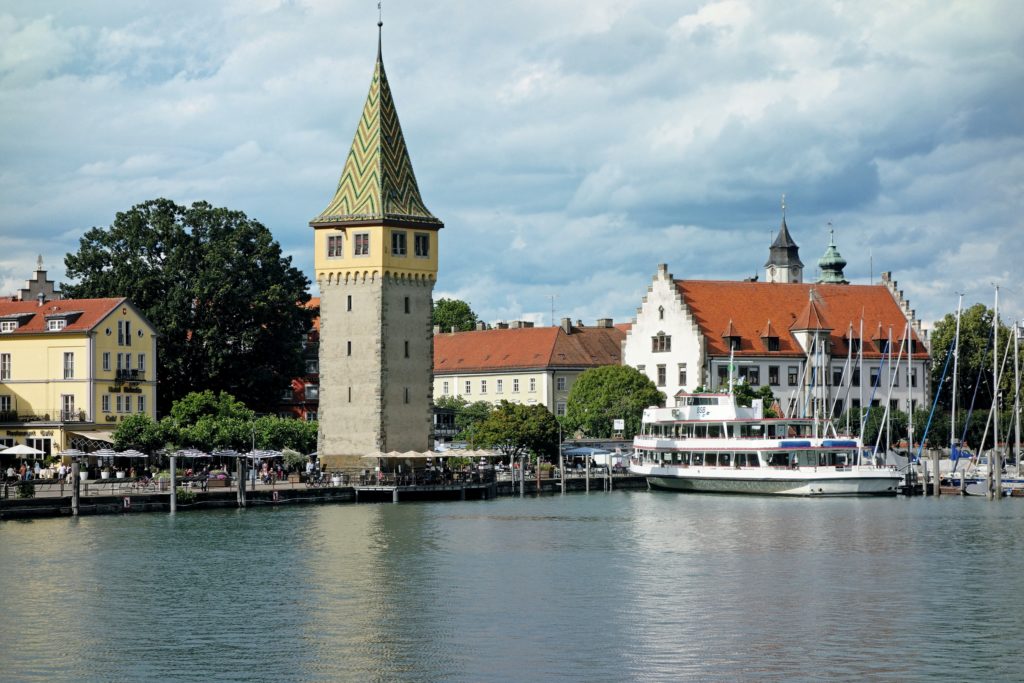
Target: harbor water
623	586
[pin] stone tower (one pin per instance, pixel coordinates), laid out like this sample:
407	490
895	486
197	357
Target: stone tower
832	263
376	263
784	263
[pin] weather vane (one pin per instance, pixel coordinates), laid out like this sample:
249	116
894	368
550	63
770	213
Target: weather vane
380	15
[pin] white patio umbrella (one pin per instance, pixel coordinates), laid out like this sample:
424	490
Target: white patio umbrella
130	453
22	450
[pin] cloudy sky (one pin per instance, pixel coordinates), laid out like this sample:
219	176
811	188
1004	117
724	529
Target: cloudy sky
568	146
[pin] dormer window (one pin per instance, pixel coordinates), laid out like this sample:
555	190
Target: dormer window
771	343
7	326
56	324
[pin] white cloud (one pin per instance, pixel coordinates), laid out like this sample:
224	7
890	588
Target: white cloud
568	147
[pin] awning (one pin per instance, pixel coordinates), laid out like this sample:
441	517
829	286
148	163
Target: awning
96	436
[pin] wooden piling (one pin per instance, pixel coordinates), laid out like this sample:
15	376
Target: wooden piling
240	475
935	466
76	483
561	467
174	485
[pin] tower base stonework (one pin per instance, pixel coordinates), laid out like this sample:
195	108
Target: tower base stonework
376	359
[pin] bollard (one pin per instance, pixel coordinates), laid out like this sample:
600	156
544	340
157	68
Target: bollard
394	495
75	483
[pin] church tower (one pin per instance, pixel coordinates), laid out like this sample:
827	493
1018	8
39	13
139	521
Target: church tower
784	263
376	263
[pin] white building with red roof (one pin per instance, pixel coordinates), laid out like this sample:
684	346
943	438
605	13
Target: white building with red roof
520	363
688	333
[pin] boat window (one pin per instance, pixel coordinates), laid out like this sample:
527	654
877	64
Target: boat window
697	459
779	460
711	459
714	431
724	459
684	459
700	431
748	460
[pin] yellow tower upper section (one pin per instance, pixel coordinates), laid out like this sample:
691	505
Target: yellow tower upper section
377	222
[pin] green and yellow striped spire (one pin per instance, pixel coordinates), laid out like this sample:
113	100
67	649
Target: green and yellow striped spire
377	183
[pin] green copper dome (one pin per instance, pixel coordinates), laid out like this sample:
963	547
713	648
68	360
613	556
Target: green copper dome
832	263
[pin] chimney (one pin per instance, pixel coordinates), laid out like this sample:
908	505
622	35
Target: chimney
481	325
515	324
437	329
501	326
527	323
604	322
42	298
567	325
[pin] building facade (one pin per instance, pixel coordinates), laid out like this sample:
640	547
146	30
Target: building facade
301	400
521	363
72	369
832	343
376	248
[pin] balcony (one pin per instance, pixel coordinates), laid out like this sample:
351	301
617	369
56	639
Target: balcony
129	376
51	416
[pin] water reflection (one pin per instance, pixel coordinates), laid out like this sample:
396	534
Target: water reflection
623	586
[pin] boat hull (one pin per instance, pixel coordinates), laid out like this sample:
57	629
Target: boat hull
875	482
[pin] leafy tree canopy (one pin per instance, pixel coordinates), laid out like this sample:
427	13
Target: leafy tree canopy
189	409
745	394
211	422
216	286
601	395
453	313
515	429
974	366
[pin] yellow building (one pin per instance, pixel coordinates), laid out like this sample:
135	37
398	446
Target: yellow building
71	370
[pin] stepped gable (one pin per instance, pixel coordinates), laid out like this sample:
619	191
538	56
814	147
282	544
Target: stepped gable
714	303
81	314
377	183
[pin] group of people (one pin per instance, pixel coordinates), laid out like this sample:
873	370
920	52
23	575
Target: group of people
25	472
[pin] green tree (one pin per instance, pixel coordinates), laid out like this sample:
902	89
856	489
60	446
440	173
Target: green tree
195	405
453	313
515	429
214	283
975	358
745	394
140	432
601	395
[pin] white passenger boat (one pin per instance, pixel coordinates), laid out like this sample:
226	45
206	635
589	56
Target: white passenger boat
708	443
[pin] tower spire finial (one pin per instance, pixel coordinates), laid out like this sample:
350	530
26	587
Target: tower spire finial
783	204
380	25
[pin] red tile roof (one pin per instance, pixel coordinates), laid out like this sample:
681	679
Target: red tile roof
314	302
526	348
81	314
748	306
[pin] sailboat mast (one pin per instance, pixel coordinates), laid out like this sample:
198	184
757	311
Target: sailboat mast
849	380
995	462
860	368
910	391
888	398
956	358
1016	394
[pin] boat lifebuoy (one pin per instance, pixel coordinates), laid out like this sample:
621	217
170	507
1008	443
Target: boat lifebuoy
127	503
274	496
